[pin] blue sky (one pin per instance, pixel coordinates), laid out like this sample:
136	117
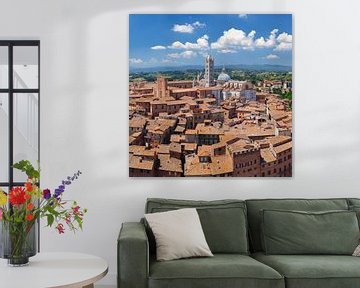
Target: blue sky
183	39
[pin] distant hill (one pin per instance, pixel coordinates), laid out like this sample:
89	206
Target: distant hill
258	67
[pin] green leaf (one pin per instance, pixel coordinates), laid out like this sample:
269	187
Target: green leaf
26	167
50	219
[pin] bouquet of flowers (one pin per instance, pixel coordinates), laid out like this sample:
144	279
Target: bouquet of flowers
23	206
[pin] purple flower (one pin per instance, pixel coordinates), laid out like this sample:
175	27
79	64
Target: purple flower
64	183
57	193
46	194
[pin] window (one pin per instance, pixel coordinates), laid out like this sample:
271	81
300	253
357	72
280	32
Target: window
19	108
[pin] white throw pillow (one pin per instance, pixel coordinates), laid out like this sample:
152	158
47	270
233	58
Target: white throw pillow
178	234
357	251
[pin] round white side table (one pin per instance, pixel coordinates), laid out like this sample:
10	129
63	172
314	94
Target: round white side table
54	270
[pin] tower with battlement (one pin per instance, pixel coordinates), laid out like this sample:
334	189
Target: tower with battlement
209	71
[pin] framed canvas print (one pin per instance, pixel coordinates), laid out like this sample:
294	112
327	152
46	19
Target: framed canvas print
210	95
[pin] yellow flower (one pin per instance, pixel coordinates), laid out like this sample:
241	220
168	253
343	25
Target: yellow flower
3	198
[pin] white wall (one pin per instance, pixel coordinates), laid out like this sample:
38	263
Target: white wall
84	52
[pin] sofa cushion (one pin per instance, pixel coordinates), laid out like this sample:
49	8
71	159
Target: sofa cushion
178	234
222	270
313	271
224	221
353	201
297	232
255	206
356	209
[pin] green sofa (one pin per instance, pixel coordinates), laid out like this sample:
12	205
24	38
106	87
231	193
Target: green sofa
233	231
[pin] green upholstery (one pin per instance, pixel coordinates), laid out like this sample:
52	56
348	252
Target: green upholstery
223	221
315	271
222	270
356	209
255	206
133	256
294	232
353	201
354	205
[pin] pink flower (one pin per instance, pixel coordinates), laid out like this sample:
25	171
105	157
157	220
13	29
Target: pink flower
68	219
76	210
60	228
1	214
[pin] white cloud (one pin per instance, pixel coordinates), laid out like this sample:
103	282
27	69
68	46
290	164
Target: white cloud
272	57
158	47
185	54
234	38
201	44
187	28
225	51
283	47
135	61
243	16
284	42
270	42
237	39
284	37
197	24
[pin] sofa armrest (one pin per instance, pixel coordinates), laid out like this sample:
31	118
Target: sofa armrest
133	256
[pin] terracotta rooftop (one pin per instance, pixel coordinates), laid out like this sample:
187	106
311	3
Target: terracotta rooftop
221	165
190	132
254	130
278	140
267	155
232	136
163	149
175	147
241	145
136	162
189	146
278	115
283	147
160	124
184	90
203	129
137	122
168	163
218	145
194	168
136	148
204	150
179	129
177	138
143	100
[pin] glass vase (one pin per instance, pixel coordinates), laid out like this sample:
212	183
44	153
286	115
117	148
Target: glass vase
18	242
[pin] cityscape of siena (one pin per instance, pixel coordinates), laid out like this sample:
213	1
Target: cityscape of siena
210	126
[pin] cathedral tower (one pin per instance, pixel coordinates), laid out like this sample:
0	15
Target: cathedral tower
209	71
